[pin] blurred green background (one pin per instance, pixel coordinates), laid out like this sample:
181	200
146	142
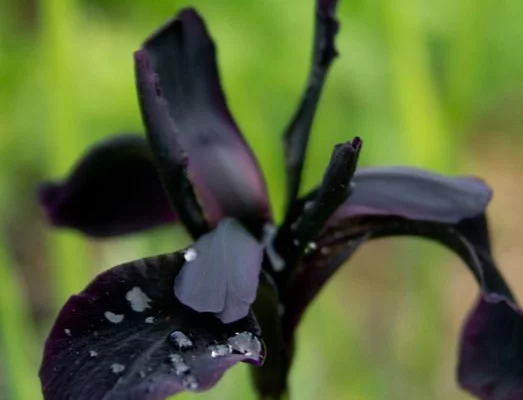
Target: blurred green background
435	84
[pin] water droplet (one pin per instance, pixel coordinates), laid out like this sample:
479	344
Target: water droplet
308	205
311	246
137	299
149	320
325	250
67	332
281	310
190	382
114	318
246	343
190	254
269	234
178	364
117	368
93	353
220	350
180	340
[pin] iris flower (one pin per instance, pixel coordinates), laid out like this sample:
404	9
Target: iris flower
157	326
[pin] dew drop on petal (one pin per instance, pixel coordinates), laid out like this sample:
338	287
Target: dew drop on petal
149	320
190	254
247	344
180	340
93	353
117	368
67	332
190	382
220	350
178	364
311	246
137	299
114	318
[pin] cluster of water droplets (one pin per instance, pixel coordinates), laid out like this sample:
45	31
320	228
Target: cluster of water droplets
182	342
248	344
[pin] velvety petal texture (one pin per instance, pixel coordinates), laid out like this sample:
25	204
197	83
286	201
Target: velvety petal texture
416	194
221	272
491	352
127	337
221	166
115	189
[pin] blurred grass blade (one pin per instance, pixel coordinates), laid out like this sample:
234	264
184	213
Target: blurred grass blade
17	339
428	143
68	250
465	63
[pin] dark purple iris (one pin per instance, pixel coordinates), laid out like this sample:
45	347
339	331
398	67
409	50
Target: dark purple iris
157	326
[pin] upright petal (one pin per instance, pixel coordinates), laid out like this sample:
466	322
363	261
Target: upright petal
297	134
113	190
126	337
222	168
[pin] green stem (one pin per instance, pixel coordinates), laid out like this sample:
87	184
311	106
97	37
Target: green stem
68	251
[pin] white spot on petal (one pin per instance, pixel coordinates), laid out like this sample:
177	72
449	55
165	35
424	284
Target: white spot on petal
220	350
149	320
117	368
67	332
138	299
114	318
190	254
181	340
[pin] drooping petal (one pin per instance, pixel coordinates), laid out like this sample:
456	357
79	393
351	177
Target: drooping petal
221	273
494	328
113	190
127	337
415	194
491	351
297	134
222	168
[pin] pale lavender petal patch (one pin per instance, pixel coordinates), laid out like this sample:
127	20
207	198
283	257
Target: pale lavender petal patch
414	194
221	272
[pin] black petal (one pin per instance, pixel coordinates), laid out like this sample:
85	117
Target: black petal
127	337
222	168
491	347
115	189
297	133
491	351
